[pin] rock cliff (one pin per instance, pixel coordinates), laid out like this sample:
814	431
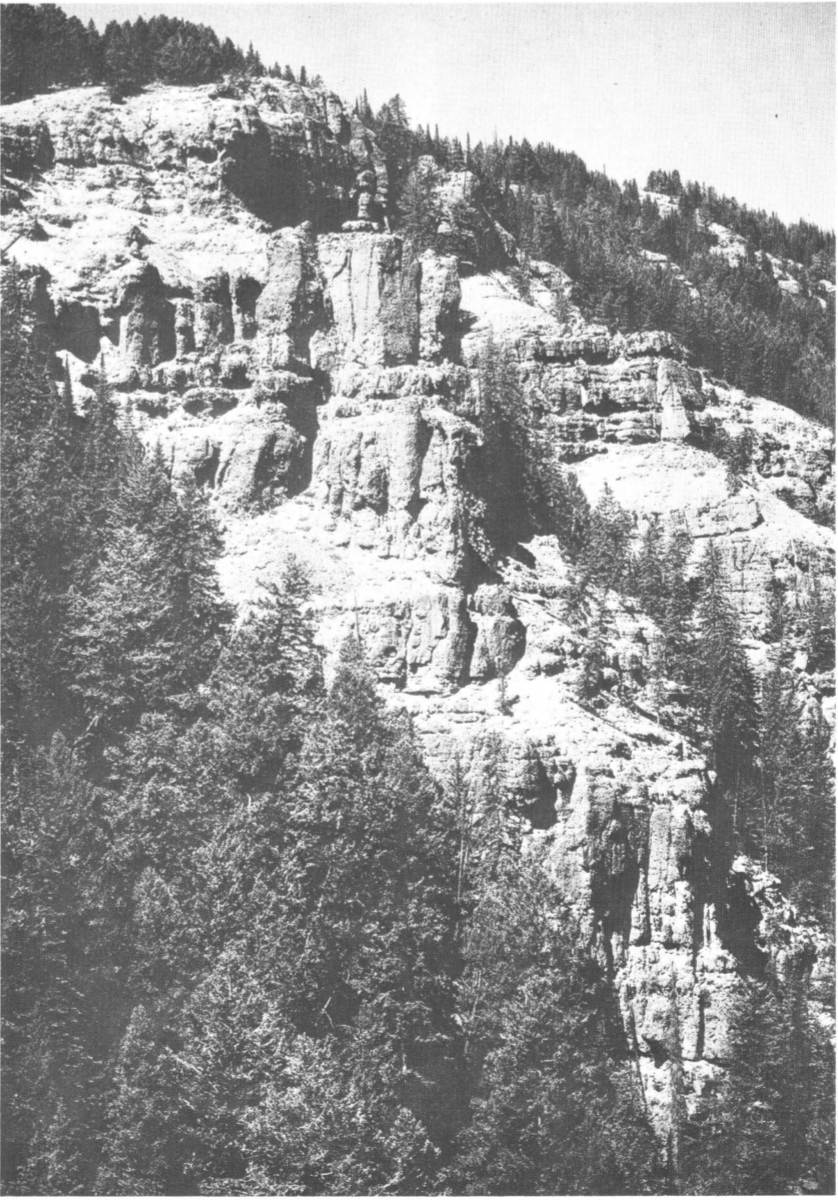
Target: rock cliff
222	256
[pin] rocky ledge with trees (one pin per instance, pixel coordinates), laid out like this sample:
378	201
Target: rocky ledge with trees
418	657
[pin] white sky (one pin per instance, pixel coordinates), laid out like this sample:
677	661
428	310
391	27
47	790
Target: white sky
740	96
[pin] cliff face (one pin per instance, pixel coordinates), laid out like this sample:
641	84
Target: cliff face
223	257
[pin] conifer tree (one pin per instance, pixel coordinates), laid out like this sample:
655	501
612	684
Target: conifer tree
648	571
419	212
119	62
819	619
789	822
677	607
554	1110
267	686
106	447
149	1149
593	655
725	685
373	876
148	629
567	512
252	62
44	519
365	110
777	620
64	912
607	552
770	1128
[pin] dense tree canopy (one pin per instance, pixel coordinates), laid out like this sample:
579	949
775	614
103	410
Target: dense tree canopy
42	48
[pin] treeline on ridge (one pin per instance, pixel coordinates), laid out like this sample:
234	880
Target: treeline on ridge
42	48
735	321
802	242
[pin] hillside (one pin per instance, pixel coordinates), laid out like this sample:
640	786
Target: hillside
505	419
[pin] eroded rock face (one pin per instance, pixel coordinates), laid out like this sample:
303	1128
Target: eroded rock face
678	399
394	477
373	297
500	637
147	323
418	638
439	307
287	310
280	149
631	846
224	257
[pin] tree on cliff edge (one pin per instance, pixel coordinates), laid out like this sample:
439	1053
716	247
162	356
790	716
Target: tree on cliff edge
725	684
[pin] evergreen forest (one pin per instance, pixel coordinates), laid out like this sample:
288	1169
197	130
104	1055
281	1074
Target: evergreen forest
43	49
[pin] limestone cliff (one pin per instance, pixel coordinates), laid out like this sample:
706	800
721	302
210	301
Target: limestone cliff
222	256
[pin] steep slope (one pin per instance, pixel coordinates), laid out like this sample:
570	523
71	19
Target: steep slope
222	257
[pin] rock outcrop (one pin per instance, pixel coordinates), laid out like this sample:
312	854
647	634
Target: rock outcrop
221	256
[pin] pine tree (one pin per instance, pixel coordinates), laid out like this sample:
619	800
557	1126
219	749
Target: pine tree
107	447
770	1129
677	607
724	682
44	522
593	656
374	881
648	571
365	110
148	630
819	619
607	552
253	63
789	823
150	1148
397	142
567	513
555	1111
119	63
419	211
776	622
267	686
489	801
64	912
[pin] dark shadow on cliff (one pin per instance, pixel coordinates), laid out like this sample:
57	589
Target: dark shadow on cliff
737	914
